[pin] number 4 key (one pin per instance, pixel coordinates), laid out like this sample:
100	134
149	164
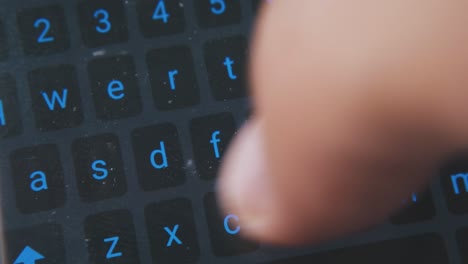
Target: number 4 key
160	17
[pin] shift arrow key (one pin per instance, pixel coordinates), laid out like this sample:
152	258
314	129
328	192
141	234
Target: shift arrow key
28	256
41	244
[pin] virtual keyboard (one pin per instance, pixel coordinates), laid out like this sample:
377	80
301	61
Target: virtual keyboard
114	118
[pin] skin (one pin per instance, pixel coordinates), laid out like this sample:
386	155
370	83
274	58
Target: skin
357	104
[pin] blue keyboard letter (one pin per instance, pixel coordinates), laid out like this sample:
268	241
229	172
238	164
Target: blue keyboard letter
171	75
115	90
214	141
2	115
218	7
172	236
103	171
228	229
62	101
110	253
456	178
228	63
40	182
162	152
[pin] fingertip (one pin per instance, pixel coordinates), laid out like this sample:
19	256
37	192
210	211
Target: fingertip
245	189
242	187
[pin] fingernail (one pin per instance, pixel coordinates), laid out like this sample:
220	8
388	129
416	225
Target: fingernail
244	187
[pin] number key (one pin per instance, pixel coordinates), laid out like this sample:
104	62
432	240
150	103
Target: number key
161	17
102	22
212	13
43	30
